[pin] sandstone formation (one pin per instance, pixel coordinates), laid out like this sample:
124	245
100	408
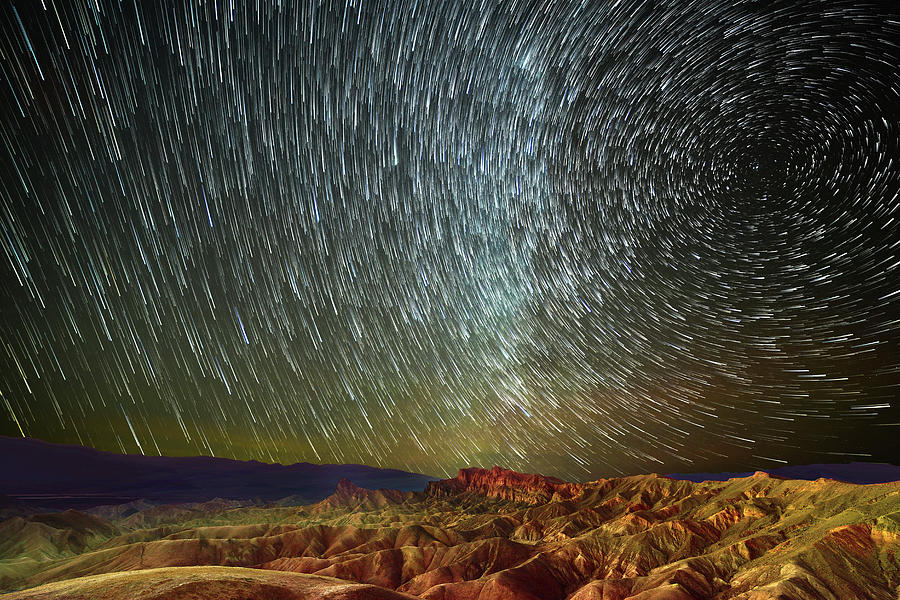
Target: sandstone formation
488	535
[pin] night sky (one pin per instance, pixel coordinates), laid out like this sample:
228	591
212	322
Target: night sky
577	238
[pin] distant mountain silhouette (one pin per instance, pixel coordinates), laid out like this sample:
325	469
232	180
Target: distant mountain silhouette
855	472
37	473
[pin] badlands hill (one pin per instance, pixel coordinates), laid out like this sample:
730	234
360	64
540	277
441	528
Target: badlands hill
484	535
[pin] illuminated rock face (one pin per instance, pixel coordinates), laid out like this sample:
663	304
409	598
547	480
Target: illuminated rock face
483	535
504	484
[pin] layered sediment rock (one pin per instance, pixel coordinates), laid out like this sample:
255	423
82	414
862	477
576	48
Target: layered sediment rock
497	534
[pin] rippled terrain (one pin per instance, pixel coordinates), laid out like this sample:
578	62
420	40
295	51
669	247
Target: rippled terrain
485	535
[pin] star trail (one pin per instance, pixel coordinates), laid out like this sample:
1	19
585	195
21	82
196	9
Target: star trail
578	238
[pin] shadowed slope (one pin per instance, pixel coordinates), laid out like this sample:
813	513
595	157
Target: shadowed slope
205	583
496	534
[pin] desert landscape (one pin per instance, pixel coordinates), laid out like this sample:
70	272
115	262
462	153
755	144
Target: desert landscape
484	535
282	281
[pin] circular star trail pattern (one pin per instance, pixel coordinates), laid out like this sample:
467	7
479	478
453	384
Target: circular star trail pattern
581	238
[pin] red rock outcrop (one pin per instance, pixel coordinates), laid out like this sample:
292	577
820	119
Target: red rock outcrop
504	484
350	496
496	534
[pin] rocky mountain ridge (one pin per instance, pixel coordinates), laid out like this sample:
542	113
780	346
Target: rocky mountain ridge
492	534
504	484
